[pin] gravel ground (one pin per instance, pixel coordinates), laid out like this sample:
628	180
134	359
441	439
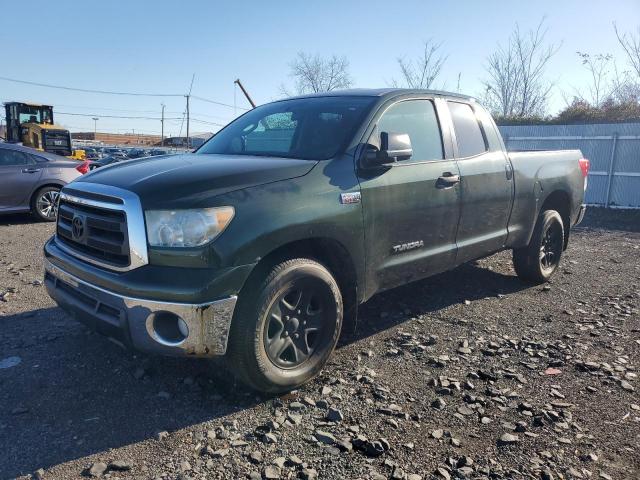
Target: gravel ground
470	374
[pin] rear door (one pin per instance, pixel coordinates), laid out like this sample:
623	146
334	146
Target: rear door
18	173
410	213
486	182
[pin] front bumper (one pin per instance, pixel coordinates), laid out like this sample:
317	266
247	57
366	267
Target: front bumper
141	323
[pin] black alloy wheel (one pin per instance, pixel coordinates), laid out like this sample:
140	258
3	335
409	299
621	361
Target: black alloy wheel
551	247
299	321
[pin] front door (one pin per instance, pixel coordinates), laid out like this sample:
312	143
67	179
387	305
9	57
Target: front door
411	209
18	174
486	184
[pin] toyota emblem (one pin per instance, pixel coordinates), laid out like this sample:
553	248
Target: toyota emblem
77	227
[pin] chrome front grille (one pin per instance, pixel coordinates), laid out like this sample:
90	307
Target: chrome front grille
102	225
96	232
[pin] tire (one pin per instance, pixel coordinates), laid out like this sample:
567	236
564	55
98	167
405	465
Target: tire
539	260
44	204
284	331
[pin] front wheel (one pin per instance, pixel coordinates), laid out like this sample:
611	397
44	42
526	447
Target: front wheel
539	260
45	204
284	331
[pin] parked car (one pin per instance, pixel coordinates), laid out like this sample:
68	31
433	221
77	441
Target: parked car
138	153
106	160
91	153
116	152
30	180
156	152
258	245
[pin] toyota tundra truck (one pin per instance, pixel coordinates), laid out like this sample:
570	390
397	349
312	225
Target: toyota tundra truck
260	244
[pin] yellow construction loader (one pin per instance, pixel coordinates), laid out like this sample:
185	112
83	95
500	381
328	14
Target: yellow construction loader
32	125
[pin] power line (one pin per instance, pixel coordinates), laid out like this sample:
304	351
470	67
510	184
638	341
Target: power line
110	109
206	123
86	90
219	117
214	102
115	116
110	130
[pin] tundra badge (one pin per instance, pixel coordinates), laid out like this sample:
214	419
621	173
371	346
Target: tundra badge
407	246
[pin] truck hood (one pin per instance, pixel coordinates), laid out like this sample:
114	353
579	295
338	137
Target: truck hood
191	180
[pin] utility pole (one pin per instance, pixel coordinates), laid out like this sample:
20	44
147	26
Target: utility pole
246	94
188	142
189	95
95	126
162	122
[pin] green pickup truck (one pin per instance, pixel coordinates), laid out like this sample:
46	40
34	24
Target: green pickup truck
261	243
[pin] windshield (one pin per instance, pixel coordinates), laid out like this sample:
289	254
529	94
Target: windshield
306	128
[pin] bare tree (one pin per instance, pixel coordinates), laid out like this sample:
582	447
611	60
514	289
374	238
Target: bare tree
424	70
600	88
624	87
502	87
313	74
516	84
630	42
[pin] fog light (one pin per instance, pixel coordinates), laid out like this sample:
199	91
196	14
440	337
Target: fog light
168	328
183	327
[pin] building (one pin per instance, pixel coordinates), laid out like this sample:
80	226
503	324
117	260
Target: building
118	138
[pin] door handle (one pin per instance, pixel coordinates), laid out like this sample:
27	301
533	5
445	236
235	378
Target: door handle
447	180
508	171
30	170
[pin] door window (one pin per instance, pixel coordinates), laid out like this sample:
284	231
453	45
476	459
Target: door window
468	133
418	119
12	157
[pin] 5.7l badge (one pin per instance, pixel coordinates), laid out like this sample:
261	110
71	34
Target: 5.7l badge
349	197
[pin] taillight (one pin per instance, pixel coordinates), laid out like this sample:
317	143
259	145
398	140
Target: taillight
83	167
584	166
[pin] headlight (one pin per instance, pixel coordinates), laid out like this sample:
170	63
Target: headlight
186	228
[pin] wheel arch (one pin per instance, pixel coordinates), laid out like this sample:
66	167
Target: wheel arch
325	250
560	201
40	186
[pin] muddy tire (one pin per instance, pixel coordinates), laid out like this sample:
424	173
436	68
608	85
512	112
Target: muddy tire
539	260
284	331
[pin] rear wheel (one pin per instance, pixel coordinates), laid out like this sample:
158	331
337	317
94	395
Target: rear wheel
44	204
284	331
539	260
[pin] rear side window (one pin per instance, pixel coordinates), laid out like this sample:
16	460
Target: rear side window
13	157
490	130
468	134
418	119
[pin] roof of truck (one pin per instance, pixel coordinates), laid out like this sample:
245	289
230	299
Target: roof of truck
381	92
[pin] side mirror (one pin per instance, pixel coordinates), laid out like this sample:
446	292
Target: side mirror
394	147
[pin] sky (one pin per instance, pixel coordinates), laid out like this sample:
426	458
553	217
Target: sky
159	46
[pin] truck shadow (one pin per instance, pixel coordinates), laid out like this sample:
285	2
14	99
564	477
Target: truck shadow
76	394
468	282
18	219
